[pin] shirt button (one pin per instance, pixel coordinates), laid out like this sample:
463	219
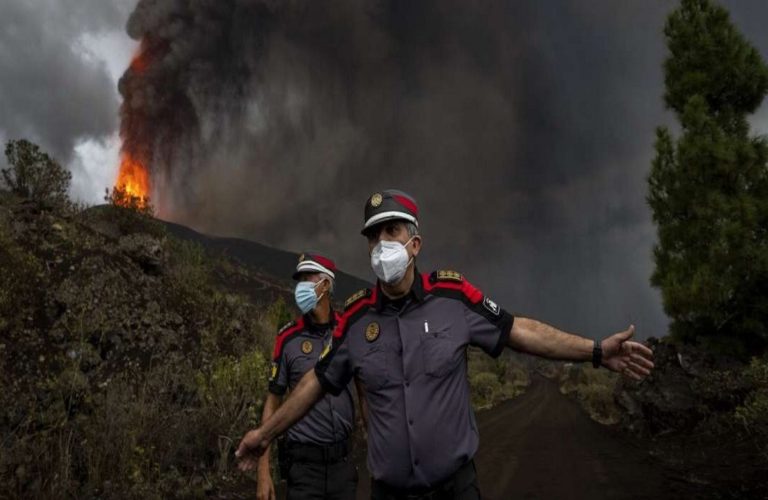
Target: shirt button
407	384
410	421
416	462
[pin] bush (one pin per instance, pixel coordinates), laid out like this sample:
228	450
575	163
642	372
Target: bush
132	214
595	391
35	175
232	395
753	414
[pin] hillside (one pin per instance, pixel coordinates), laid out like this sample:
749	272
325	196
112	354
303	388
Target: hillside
131	361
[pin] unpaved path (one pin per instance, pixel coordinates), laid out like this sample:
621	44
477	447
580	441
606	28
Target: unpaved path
543	445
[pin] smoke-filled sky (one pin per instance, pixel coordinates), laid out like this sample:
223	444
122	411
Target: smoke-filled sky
524	129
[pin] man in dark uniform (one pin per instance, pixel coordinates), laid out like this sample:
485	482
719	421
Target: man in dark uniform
405	339
315	452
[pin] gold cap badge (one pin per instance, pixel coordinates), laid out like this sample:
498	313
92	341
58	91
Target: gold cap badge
372	332
376	200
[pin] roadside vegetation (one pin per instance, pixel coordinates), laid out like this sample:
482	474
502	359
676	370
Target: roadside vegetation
495	380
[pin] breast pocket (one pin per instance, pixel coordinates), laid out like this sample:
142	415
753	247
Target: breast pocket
375	369
441	353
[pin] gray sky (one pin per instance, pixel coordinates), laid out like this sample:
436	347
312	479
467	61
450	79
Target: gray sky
525	129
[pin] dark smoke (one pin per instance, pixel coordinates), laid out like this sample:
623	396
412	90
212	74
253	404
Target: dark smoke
524	129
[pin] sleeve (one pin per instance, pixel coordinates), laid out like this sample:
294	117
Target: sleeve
278	376
489	325
333	368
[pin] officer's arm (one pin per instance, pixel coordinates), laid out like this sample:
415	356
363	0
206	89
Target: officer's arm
540	339
619	353
271	404
306	393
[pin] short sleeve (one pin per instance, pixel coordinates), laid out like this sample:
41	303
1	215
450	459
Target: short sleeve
489	326
333	368
278	376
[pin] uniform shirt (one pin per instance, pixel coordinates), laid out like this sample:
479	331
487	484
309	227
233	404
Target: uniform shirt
410	355
297	347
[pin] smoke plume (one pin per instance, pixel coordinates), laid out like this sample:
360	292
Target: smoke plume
523	129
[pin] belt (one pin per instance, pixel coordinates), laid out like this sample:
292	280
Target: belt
303	452
439	491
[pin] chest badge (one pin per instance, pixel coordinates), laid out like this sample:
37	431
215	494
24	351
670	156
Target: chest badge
372	332
306	347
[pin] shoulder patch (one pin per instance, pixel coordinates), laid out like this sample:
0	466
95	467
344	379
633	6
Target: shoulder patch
360	294
286	326
446	275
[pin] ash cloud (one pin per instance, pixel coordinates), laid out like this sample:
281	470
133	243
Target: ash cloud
50	92
524	129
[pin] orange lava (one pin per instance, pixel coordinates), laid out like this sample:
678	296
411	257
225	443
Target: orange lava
133	178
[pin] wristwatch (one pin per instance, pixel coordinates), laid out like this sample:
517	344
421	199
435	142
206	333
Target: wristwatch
597	355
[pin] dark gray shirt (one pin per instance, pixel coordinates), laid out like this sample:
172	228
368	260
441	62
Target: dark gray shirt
411	358
297	347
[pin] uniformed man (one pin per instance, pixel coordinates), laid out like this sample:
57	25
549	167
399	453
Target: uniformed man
405	339
315	453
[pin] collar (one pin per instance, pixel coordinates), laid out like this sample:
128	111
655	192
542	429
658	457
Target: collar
312	326
416	292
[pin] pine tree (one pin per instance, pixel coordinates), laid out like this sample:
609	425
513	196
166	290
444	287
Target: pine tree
709	188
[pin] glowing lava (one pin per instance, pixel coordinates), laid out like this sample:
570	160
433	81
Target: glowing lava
133	178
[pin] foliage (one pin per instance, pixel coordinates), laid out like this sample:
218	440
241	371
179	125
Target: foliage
232	393
279	313
709	188
19	273
35	175
753	413
492	381
594	389
132	213
119	379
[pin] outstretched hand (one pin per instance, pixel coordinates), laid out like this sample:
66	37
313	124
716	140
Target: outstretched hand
251	447
627	357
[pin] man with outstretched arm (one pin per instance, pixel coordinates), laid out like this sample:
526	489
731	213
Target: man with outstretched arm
405	340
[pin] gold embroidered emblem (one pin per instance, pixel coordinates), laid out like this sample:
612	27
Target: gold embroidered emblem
376	200
273	374
372	332
306	347
445	275
355	297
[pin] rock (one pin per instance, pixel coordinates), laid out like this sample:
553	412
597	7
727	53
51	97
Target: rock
684	388
145	250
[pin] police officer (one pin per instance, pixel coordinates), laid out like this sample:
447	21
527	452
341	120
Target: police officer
405	339
314	455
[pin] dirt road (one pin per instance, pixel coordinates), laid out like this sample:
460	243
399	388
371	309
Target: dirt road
543	445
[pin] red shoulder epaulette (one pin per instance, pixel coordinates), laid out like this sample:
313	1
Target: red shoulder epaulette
289	329
451	280
352	306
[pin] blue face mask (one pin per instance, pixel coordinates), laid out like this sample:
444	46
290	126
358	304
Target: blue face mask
306	298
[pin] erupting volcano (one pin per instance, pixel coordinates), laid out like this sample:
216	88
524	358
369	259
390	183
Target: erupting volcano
133	175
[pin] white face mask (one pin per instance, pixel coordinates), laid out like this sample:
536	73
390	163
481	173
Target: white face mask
389	260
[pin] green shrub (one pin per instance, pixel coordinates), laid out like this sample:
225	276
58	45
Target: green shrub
486	389
594	389
753	414
232	395
35	175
